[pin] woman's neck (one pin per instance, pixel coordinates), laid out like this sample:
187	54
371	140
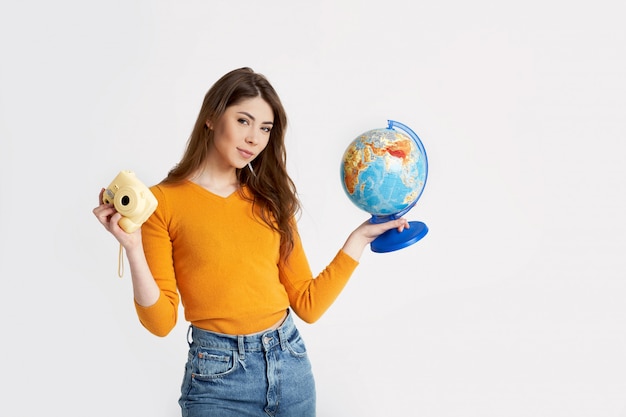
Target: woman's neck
222	182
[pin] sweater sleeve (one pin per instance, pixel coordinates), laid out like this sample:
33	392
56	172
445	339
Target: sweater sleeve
311	296
159	318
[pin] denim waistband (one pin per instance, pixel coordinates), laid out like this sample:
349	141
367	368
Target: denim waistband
257	342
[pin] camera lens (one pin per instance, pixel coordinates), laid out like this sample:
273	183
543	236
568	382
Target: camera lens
125	200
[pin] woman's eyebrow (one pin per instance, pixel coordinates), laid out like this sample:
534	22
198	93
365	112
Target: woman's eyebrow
253	118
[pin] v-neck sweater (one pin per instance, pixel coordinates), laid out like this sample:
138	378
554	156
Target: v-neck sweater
216	256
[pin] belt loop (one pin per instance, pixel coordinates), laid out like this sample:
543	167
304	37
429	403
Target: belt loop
189	337
283	338
242	347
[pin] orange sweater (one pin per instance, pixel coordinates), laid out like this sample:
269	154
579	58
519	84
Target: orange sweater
224	262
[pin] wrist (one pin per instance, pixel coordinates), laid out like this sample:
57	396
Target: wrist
354	246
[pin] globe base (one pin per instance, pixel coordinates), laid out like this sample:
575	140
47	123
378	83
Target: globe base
393	240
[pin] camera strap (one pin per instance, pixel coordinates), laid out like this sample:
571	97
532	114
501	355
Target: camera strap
120	262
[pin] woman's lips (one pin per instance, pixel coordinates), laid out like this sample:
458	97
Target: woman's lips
246	154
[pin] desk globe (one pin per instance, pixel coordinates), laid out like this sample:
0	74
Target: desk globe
383	172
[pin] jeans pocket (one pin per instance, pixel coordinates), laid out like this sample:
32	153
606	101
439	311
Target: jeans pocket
212	363
296	345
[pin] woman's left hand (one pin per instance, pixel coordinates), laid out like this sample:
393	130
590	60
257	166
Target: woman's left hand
367	231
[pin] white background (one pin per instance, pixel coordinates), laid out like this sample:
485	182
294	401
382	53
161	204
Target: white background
512	305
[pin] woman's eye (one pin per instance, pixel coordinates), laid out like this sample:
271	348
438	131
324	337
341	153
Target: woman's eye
243	121
266	129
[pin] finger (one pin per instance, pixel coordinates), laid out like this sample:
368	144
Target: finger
114	222
100	200
103	214
104	209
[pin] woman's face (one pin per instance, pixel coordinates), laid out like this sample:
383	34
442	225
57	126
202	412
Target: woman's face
242	132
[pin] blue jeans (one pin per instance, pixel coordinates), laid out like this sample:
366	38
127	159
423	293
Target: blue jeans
264	374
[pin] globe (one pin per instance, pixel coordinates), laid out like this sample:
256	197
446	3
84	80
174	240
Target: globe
383	172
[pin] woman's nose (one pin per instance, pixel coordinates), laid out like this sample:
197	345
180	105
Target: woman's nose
251	138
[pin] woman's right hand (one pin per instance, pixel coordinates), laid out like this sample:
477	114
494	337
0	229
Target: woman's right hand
109	218
145	289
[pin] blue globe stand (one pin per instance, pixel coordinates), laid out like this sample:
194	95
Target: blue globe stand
393	240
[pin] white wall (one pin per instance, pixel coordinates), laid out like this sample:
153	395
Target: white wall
512	305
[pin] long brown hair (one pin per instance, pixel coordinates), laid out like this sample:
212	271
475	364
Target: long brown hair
272	188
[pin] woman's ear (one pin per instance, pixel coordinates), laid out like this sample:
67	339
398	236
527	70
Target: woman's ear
209	124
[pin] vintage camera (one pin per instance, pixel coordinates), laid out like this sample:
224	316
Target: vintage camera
132	199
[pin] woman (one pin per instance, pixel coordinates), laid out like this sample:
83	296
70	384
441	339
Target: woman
224	238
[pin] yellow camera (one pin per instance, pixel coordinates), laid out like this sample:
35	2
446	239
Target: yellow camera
132	199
